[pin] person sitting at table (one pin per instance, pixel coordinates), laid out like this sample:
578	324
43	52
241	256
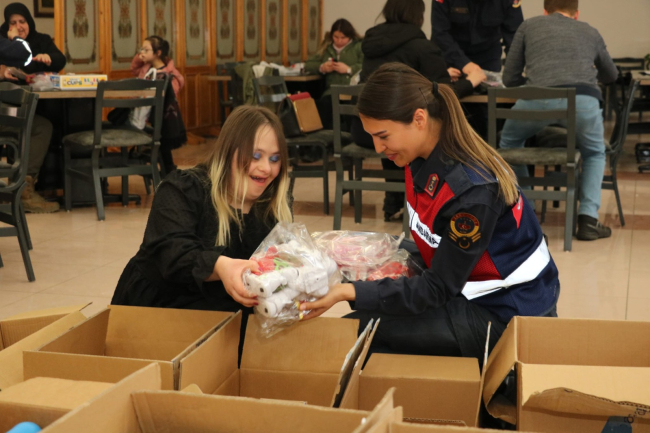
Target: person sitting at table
151	61
556	50
401	39
339	58
46	57
206	221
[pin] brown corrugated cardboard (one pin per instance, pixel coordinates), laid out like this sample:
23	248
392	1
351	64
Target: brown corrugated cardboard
572	375
301	363
36	400
15	328
165	411
128	338
11	359
430	389
407	427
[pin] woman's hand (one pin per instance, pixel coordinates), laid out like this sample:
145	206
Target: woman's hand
43	58
338	293
341	68
230	272
12	32
476	77
6	75
454	73
471	66
327	67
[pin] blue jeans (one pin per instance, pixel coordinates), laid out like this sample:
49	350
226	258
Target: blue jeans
589	139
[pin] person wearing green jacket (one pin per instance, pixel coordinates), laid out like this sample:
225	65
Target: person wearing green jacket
338	59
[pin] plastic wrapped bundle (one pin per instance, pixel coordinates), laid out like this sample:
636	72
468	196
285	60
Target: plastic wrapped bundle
357	253
291	270
400	265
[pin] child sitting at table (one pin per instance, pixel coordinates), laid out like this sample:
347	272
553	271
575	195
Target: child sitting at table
153	62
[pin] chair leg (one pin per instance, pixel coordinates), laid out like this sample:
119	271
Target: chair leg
351	176
338	193
154	166
28	237
125	179
16	209
1	264
67	183
618	197
358	167
570	209
99	196
326	183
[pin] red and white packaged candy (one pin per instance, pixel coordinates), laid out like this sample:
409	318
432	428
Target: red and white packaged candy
291	270
399	265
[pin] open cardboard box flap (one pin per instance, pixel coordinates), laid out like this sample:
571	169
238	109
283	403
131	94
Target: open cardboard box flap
112	411
19	326
53	393
11	358
585	390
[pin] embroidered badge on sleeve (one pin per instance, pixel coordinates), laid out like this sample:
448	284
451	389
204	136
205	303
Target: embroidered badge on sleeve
516	3
464	229
431	184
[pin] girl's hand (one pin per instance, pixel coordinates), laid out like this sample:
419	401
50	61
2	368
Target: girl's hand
12	32
338	293
476	77
43	58
230	272
341	67
327	67
454	73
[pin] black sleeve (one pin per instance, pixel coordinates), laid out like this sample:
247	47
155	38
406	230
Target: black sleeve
171	240
450	267
440	33
14	53
46	45
512	20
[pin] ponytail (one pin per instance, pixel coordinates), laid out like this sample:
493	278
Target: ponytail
395	91
158	44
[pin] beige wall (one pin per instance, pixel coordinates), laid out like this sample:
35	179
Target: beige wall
43	25
624	24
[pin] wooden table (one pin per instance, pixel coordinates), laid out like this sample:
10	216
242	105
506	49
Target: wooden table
644	80
79	94
483	99
291	78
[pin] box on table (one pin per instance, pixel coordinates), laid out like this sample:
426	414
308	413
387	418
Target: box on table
166	411
15	328
45	400
310	361
121	340
572	375
76	81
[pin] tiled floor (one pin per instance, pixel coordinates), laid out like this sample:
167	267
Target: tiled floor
78	259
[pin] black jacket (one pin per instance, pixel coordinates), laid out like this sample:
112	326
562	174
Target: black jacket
40	43
407	43
14	53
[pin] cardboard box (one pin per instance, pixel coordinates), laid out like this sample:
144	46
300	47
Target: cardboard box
76	81
407	427
429	388
165	411
572	375
11	358
309	362
15	328
45	401
121	340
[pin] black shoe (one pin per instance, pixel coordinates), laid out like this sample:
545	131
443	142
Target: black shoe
391	217
590	229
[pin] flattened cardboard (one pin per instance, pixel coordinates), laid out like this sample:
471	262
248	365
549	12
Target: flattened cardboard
19	326
141	335
11	359
302	363
112	411
53	393
572	374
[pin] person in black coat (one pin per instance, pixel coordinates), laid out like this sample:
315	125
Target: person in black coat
401	39
46	56
14	51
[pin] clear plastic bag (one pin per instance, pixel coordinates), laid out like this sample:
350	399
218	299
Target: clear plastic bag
400	265
291	270
357	253
40	83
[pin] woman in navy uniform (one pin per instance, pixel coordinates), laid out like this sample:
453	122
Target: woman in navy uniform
486	257
471	32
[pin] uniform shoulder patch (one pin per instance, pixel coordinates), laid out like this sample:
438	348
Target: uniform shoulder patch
440	1
465	229
516	3
431	184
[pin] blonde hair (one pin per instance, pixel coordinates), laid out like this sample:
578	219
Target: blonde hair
236	143
395	91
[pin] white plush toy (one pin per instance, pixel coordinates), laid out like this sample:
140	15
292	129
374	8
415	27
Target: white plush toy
272	306
264	285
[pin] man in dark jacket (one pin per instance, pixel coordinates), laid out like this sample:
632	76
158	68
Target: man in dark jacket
46	58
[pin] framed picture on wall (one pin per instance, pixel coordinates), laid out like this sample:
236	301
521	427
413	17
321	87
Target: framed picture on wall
44	8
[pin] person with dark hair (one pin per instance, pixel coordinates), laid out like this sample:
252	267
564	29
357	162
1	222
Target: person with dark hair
473	33
338	59
46	57
485	256
153	61
401	39
556	50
